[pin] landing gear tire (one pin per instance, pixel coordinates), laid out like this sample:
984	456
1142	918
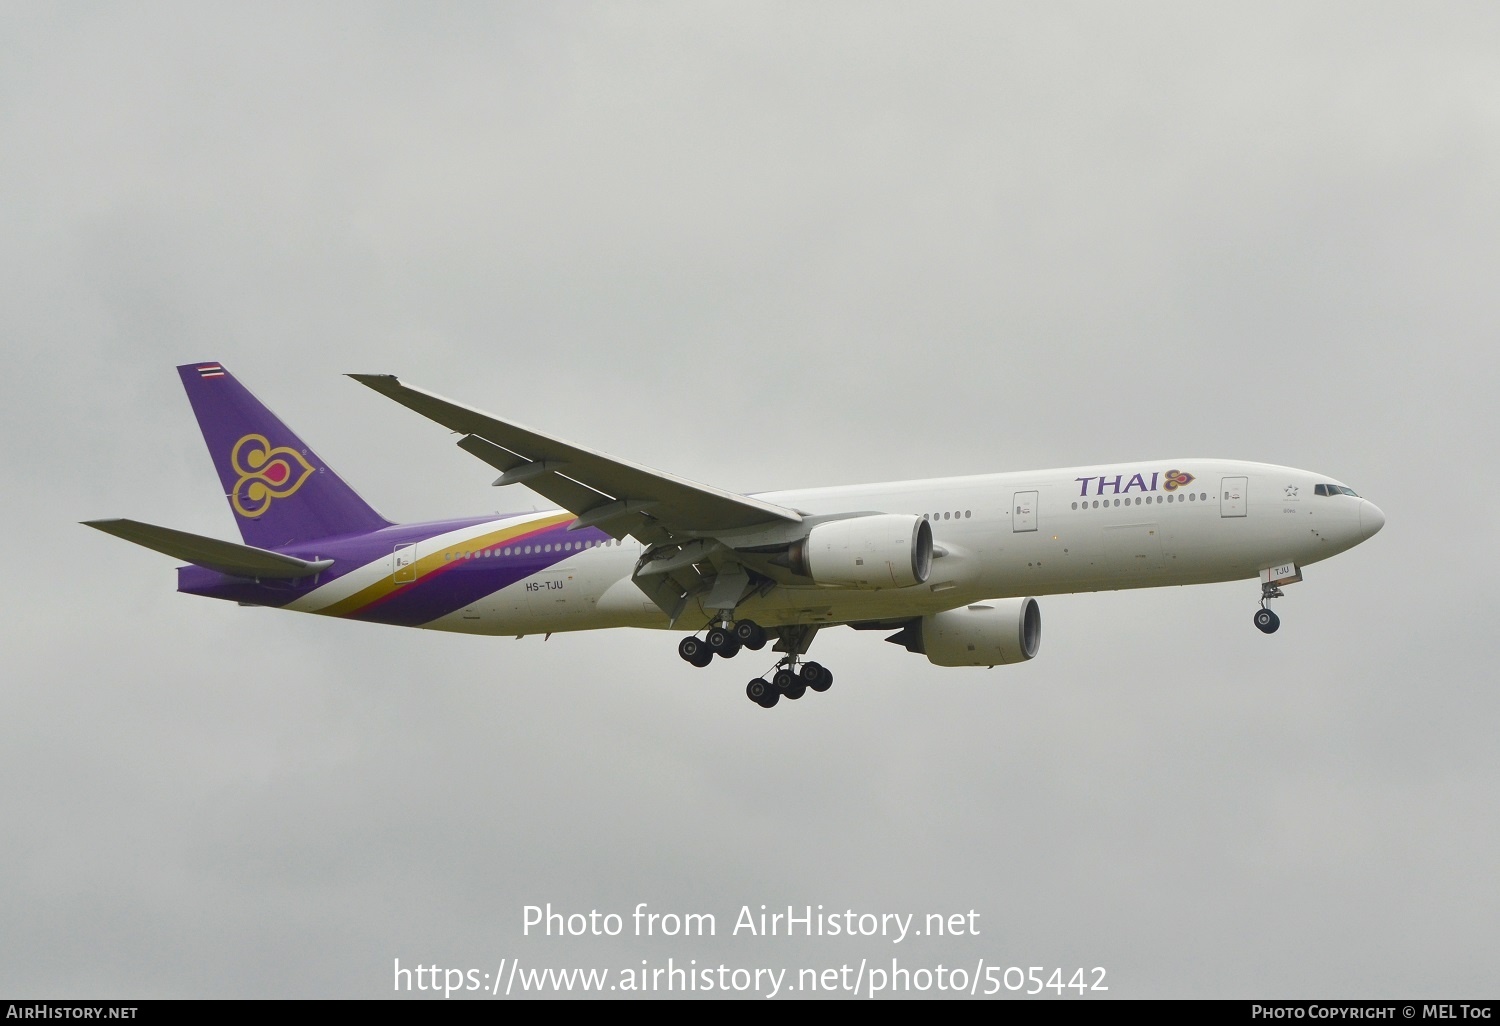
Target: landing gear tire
1267	621
750	634
796	691
695	650
762	693
723	642
784	680
824	680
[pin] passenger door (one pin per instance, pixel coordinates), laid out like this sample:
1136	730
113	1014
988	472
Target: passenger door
1023	512
1233	492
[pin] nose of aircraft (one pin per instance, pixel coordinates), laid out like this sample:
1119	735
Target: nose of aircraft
1371	519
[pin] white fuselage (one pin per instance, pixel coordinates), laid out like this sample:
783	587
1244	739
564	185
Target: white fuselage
999	535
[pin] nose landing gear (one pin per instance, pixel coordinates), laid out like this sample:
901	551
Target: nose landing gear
1265	620
1271	580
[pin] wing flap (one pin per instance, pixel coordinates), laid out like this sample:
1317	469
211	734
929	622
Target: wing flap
211	553
542	476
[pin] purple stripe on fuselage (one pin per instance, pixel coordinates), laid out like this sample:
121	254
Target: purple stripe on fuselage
441	591
462	582
349	553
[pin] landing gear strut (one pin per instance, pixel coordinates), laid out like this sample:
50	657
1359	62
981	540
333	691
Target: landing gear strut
1265	620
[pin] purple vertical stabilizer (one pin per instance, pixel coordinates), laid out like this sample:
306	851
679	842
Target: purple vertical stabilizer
280	492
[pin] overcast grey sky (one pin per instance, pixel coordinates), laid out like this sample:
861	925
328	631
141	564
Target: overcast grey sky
761	246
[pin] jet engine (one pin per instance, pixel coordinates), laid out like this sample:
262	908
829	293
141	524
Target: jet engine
983	634
883	550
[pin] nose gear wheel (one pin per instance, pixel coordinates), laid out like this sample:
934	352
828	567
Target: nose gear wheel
1265	620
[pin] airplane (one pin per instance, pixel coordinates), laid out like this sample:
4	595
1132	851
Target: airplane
948	567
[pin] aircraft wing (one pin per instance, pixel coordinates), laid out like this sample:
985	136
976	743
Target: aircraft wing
614	495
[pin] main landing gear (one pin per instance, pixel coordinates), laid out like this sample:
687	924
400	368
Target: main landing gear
792	678
1265	620
789	681
723	641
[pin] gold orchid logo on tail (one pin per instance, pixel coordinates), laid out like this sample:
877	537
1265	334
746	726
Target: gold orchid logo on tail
265	474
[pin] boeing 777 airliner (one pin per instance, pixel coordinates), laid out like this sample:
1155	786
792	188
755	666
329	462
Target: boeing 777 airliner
949	566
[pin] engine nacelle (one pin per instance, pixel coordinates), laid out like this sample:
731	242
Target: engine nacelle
984	634
883	550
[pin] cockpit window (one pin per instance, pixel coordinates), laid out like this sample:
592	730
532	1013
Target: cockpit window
1334	489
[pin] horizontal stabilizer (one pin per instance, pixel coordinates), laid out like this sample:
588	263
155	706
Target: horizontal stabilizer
211	553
